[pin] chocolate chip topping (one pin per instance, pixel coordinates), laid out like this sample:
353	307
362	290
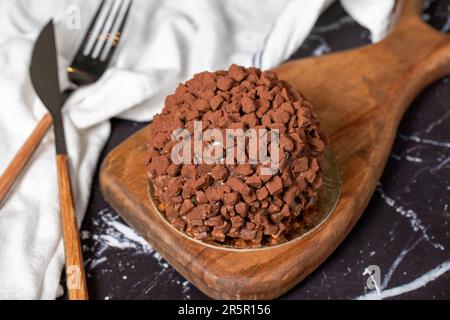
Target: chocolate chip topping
237	204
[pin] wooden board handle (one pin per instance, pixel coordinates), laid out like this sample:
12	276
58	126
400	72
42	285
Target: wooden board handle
76	279
22	157
407	9
422	53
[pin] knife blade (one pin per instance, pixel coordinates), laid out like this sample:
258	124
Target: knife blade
44	77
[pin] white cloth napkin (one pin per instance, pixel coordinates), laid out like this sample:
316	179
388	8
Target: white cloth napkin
164	43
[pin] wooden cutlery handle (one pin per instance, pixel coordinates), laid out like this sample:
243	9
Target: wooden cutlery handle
76	280
22	157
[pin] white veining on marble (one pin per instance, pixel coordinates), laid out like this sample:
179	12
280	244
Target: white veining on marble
437	122
413	218
322	48
113	234
418	153
155	280
95	262
446	26
424	140
397	262
334	25
414	159
410	286
440	165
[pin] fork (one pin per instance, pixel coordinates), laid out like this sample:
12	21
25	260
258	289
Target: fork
90	62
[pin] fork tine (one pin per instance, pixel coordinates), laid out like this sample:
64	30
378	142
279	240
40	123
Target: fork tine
124	19
88	67
109	33
90	30
109	51
99	38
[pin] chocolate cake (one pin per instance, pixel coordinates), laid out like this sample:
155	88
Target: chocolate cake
242	203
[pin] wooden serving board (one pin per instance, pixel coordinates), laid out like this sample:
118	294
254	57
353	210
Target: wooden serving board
360	96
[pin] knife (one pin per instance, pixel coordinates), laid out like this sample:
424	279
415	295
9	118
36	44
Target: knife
44	77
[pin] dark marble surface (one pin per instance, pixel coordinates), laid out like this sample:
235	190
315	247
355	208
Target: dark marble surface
405	230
